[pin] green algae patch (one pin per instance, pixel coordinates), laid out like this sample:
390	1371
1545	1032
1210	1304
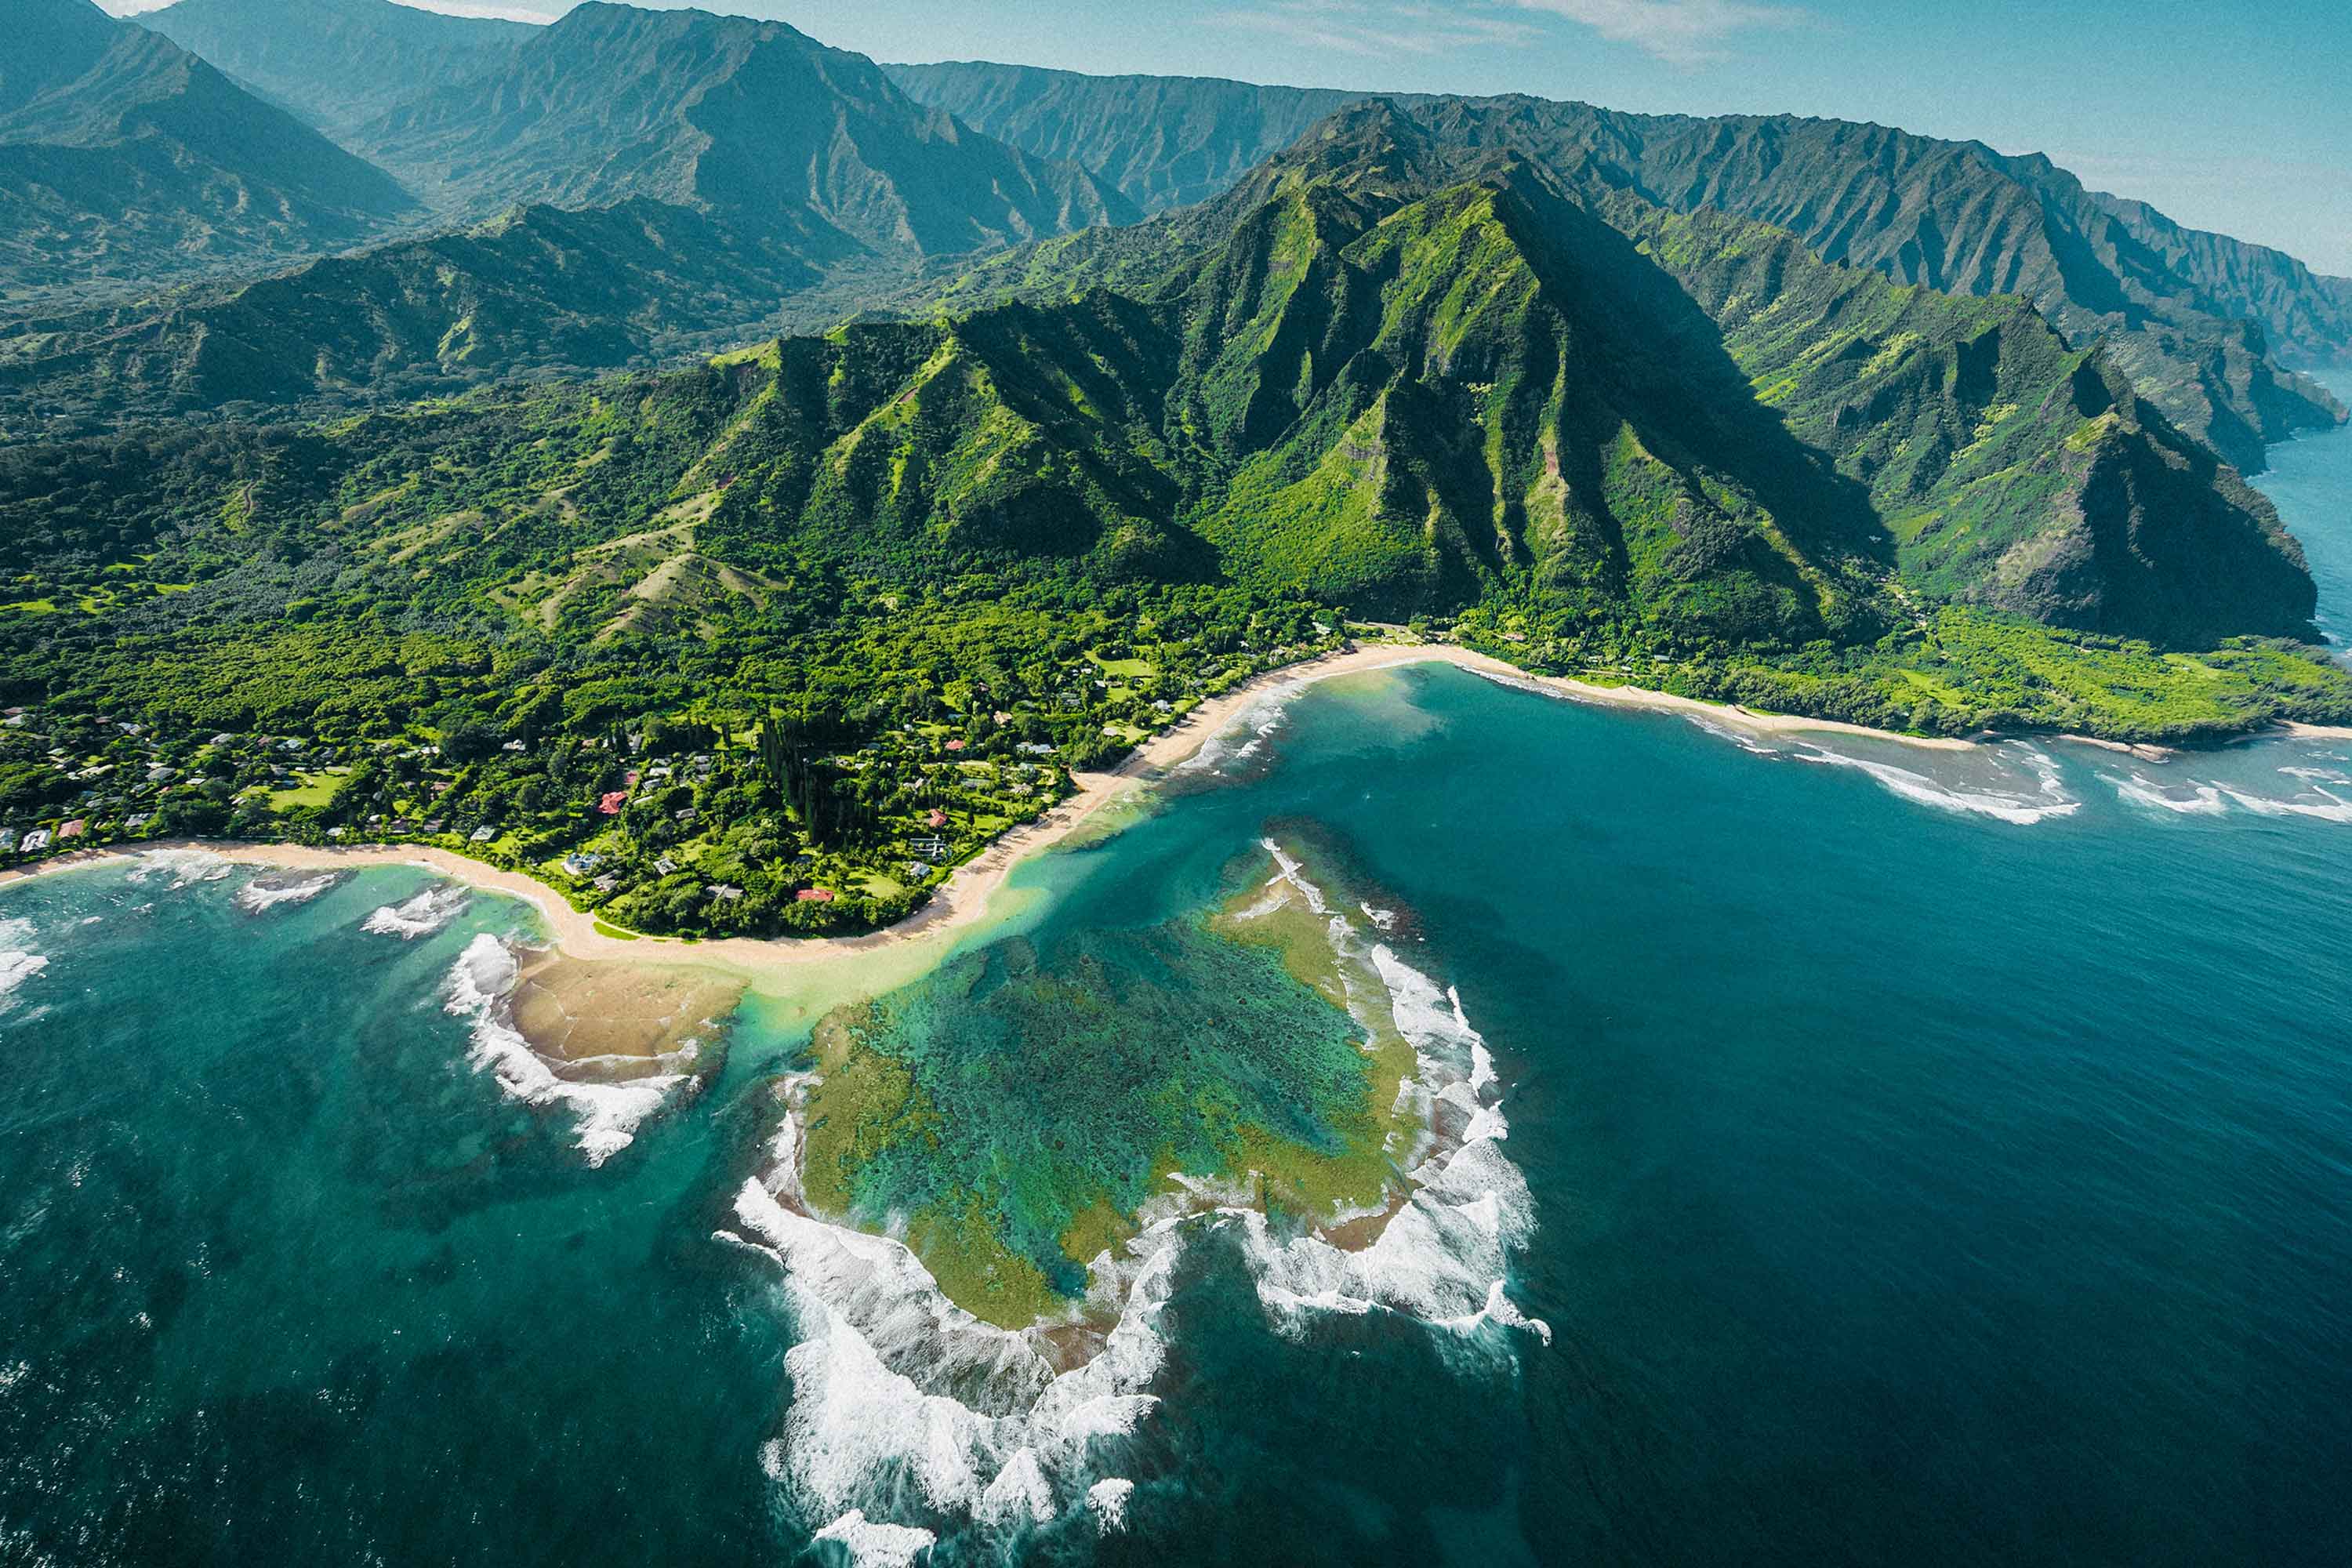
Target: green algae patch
1017	1113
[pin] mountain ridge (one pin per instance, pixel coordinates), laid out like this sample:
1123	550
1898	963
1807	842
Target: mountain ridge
125	157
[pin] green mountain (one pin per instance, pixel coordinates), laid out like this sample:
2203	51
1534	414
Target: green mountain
337	63
1954	216
123	157
536	290
1165	142
751	120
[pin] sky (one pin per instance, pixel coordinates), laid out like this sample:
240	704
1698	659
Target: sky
2235	117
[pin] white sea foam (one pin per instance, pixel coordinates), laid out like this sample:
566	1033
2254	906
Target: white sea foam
2048	801
423	915
1243	735
184	868
2324	805
2201	799
609	1113
1746	740
267	892
1107	1499
18	961
873	1545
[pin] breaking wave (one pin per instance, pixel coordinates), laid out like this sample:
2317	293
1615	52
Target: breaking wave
1242	737
184	867
478	986
2325	795
267	891
18	961
2190	800
912	1419
423	915
2048	800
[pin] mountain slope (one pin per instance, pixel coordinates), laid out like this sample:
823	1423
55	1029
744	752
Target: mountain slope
1165	142
337	63
536	290
752	120
123	157
1954	216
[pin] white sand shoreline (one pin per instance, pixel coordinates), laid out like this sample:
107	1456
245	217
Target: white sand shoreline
965	897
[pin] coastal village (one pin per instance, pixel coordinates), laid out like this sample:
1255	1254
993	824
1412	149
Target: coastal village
674	823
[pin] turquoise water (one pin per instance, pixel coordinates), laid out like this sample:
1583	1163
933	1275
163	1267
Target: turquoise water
1926	1157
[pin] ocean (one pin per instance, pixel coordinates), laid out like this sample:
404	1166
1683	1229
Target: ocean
1851	1152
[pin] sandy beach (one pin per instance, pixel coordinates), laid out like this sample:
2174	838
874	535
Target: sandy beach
966	896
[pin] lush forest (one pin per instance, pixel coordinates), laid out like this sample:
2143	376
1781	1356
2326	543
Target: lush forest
770	642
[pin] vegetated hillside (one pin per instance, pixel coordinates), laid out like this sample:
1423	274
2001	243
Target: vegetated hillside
1165	142
749	119
124	157
1954	216
538	290
337	63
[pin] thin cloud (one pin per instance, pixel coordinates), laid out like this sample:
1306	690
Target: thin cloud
1680	32
1372	27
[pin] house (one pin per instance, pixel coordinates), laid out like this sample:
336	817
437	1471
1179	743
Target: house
133	824
8	839
611	804
512	746
1034	749
161	775
955	745
689	814
725	894
930	849
665	866
483	835
37	840
73	830
813	896
580	865
937	818
607	882
919	870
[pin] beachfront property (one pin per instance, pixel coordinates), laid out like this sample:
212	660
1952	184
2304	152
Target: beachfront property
37	840
73	830
484	835
8	839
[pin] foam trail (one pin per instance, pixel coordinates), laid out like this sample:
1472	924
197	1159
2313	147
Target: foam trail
1925	791
2203	799
423	915
267	892
875	1545
1107	1500
609	1113
2329	808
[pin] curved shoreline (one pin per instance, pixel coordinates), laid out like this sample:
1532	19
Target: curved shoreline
970	889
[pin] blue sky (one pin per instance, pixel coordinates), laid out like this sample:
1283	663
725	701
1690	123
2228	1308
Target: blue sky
2230	116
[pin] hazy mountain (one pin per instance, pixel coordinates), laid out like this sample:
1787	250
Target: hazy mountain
747	118
537	290
1165	142
337	63
1957	217
122	156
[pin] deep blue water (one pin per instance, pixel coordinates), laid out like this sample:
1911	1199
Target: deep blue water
1912	1181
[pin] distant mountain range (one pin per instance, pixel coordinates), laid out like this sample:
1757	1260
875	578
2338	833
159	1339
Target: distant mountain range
125	158
1955	216
339	64
754	166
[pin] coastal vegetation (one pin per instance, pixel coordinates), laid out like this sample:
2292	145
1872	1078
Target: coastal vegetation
770	642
